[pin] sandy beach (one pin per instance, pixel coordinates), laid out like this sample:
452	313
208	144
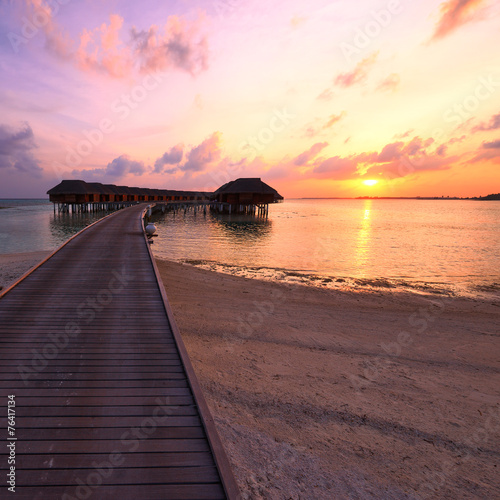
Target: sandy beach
321	394
13	266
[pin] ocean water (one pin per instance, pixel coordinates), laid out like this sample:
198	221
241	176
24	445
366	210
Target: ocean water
430	245
434	246
31	225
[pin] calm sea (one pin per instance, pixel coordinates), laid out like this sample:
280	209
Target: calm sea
436	246
31	225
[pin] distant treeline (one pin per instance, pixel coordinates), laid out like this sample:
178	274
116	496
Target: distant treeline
489	197
481	198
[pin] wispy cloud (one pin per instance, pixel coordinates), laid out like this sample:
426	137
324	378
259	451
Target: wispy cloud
397	159
455	13
171	157
326	95
358	74
103	51
334	119
113	171
337	168
106	49
493	124
311	153
56	41
488	151
204	154
390	84
179	45
492	145
16	150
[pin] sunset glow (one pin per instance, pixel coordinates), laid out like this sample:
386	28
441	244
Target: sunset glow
312	98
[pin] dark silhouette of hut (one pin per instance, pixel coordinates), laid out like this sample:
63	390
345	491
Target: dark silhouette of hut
70	191
241	195
245	195
83	196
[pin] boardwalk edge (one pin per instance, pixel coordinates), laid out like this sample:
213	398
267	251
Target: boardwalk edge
222	462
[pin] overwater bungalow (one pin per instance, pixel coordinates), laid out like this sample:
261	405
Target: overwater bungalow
241	195
245	195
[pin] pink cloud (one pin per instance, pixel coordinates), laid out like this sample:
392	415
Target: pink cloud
117	169
358	74
56	41
16	150
455	13
326	95
337	168
102	50
172	157
390	84
493	124
397	159
204	154
180	45
303	158
390	152
334	119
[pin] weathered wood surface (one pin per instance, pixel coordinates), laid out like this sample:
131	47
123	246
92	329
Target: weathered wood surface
107	403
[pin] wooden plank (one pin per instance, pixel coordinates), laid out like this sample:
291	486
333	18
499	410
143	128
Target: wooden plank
88	384
96	401
102	411
125	492
115	475
114	434
129	442
87	461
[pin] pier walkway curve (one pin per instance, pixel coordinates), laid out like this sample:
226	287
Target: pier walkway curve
99	398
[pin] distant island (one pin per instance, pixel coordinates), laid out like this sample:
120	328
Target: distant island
490	197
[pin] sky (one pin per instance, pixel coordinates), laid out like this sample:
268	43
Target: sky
317	98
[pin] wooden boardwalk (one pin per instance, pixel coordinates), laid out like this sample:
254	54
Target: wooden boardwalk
107	405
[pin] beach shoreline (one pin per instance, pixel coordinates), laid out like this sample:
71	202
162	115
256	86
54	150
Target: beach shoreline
14	265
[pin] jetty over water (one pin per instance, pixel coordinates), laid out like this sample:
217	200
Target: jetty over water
106	402
245	195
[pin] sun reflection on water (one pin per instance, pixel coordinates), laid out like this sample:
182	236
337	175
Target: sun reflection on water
364	238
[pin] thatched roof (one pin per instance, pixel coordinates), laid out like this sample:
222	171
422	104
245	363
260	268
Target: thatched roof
74	187
248	185
78	187
100	188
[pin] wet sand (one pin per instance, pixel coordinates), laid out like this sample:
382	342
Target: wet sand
321	394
